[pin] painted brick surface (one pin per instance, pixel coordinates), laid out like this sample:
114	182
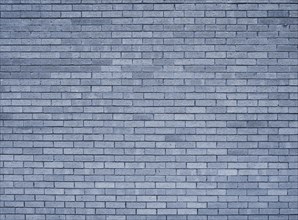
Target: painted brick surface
158	110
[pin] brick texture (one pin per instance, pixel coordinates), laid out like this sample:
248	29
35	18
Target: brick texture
148	109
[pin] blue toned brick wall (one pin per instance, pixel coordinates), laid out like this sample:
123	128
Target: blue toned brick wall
148	110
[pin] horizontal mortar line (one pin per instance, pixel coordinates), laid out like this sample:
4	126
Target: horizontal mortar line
146	58
150	92
146	134
197	141
154	148
148	44
126	13
191	78
240	2
62	17
131	113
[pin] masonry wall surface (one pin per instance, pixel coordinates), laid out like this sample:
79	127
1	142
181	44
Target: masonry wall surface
158	110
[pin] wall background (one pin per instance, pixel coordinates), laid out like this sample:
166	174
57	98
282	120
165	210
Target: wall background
148	110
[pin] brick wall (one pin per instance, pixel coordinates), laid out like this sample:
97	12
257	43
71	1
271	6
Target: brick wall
161	110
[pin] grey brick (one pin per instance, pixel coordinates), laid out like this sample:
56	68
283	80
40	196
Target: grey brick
148	110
